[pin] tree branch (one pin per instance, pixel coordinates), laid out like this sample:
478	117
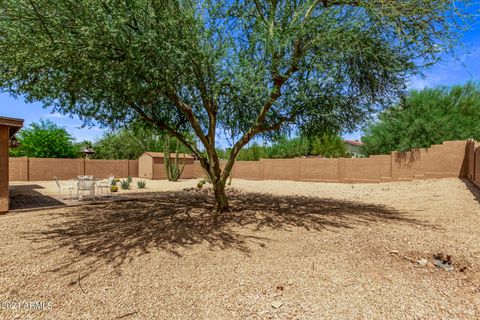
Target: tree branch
260	11
170	130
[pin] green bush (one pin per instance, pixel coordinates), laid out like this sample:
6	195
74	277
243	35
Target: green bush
129	179
426	117
141	184
329	146
45	140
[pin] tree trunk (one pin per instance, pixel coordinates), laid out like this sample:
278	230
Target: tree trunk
221	201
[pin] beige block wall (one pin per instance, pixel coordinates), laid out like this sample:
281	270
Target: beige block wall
449	159
472	160
318	169
371	169
248	170
279	169
476	167
107	168
4	145
446	160
44	169
18	169
133	168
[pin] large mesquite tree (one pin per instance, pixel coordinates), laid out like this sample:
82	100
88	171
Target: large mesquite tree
249	67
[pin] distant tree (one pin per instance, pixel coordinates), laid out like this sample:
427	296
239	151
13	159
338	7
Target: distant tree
45	139
252	153
131	143
329	146
289	148
255	67
426	117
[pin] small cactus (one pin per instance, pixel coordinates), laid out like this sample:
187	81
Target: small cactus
141	184
124	184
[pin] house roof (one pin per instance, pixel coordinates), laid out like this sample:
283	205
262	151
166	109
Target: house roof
14	124
172	155
354	142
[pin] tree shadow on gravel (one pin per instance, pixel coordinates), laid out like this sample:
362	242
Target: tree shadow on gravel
115	233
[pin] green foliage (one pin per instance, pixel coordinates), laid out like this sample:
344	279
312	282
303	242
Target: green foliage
252	153
141	184
247	67
426	117
130	143
45	140
282	148
315	61
289	148
173	169
125	184
129	179
329	146
200	185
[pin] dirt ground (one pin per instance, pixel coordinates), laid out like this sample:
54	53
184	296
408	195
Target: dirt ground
288	250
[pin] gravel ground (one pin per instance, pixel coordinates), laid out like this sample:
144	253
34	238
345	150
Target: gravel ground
301	251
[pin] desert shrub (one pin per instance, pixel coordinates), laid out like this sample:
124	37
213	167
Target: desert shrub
125	184
426	117
141	184
329	146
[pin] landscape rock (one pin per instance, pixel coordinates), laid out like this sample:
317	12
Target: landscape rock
276	304
422	262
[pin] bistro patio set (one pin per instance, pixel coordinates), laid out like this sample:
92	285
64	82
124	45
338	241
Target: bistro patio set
83	186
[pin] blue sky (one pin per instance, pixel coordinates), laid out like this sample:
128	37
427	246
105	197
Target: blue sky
462	67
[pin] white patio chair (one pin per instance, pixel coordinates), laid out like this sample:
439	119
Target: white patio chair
64	187
86	178
85	186
105	185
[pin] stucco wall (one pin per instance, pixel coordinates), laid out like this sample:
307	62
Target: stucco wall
4	144
473	152
445	160
44	169
450	159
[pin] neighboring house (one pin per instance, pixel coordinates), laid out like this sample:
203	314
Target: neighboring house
354	147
